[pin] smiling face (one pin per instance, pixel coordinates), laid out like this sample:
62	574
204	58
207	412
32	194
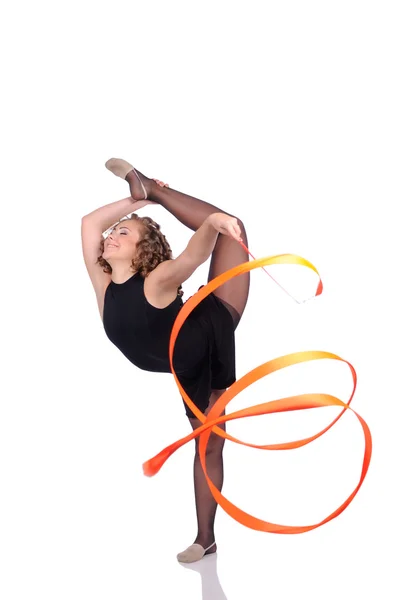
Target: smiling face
120	245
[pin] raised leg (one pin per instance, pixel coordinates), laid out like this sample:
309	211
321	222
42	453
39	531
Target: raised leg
227	253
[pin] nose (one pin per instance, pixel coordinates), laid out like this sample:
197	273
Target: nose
111	241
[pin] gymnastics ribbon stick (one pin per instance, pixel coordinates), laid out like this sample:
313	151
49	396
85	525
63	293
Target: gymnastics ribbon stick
319	287
213	418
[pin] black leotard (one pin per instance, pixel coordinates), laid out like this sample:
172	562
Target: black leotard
204	354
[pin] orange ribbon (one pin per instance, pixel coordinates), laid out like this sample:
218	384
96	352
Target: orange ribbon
301	402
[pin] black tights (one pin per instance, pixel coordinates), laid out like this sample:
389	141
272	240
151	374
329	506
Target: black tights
204	501
234	294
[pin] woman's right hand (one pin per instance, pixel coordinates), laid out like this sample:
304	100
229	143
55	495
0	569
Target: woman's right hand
226	224
161	183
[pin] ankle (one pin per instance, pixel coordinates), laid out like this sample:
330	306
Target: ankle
149	185
205	540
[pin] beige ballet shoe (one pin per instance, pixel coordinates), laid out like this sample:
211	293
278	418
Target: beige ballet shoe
193	553
121	168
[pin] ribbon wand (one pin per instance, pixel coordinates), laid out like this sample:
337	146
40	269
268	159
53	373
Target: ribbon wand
319	287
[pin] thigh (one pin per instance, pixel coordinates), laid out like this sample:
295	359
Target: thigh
228	253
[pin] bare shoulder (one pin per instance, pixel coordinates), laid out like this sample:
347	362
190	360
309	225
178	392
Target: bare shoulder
158	291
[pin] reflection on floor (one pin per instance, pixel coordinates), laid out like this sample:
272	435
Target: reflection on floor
207	568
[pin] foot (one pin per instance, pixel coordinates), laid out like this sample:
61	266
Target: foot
121	168
196	552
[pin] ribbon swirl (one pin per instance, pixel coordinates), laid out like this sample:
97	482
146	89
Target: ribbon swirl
211	421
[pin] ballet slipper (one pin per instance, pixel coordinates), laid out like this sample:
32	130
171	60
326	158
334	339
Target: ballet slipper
121	168
203	567
193	553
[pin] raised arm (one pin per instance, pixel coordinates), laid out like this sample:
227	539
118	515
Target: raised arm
109	214
92	227
170	274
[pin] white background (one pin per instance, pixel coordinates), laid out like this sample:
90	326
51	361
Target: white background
285	114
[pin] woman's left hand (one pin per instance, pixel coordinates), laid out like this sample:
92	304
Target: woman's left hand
225	224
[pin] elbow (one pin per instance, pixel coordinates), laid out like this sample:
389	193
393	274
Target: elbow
87	219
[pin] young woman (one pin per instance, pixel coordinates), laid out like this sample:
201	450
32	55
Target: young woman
139	293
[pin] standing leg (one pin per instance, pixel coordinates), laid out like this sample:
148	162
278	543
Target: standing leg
234	294
205	503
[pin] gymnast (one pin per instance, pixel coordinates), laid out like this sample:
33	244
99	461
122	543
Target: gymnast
138	286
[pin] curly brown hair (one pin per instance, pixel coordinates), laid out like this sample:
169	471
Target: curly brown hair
152	248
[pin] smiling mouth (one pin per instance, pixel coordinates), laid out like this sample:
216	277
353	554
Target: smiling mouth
111	246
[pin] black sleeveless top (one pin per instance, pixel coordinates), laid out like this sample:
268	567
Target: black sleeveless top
204	354
142	332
